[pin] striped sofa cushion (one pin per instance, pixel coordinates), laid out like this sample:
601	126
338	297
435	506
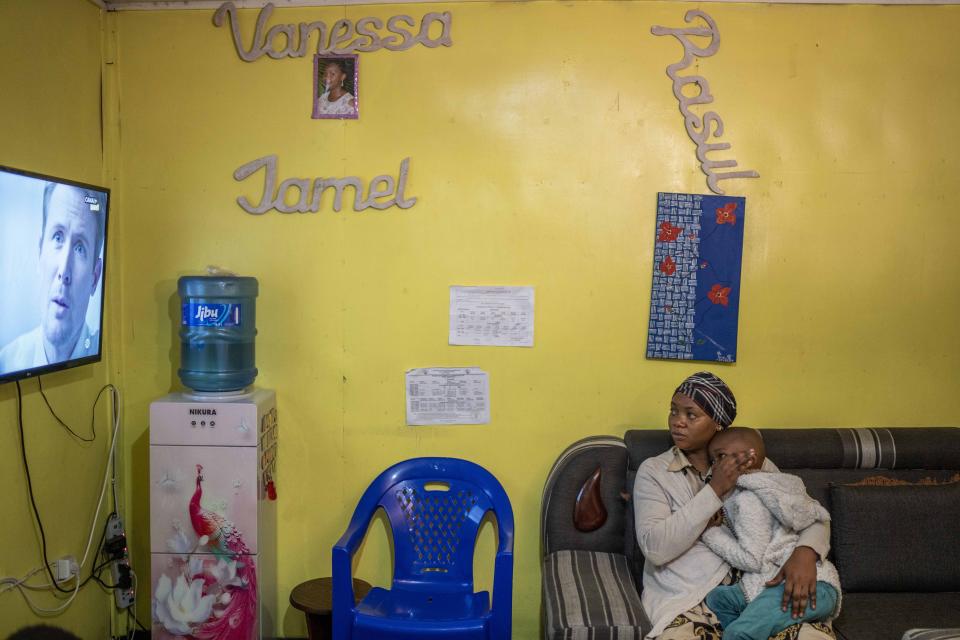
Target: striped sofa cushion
590	595
932	634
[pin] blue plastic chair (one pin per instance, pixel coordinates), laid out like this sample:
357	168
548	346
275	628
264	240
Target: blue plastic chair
434	533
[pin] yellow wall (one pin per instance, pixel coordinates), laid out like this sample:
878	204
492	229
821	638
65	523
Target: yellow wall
538	142
50	115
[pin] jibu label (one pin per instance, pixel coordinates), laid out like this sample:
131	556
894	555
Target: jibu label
199	314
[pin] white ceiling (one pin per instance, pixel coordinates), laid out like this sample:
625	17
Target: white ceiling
160	5
155	5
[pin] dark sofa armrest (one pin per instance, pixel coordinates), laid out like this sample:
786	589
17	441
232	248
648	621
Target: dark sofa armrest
568	474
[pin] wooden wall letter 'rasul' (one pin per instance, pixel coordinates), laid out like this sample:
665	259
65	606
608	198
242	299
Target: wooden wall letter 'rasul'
700	128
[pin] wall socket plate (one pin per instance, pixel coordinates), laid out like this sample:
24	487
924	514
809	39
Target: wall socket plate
119	568
114	526
64	568
123	597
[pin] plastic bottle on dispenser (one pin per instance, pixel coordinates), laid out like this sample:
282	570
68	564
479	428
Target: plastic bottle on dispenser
218	329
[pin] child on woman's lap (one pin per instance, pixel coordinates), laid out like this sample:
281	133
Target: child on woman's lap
765	512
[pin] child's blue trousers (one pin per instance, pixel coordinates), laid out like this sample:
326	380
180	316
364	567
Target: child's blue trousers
762	617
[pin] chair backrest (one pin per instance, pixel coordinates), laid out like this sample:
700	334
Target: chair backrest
435	507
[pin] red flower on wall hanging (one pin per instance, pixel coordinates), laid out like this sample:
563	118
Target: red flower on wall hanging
726	215
719	294
668	266
668	232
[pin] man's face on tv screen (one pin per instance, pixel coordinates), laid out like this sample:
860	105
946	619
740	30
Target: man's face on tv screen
69	265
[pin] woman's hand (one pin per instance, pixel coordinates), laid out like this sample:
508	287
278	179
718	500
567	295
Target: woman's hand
799	573
727	469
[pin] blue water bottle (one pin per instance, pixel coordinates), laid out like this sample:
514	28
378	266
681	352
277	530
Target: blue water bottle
217	332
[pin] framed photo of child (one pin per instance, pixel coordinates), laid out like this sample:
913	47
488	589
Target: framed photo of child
336	81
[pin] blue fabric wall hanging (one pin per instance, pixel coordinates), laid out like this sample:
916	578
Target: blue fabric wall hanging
695	295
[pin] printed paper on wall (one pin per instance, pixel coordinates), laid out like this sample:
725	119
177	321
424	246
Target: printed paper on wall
448	395
491	316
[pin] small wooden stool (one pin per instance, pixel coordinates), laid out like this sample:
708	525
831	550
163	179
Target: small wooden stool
315	598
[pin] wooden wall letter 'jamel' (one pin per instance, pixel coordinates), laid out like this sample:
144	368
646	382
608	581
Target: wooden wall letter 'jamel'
700	128
303	195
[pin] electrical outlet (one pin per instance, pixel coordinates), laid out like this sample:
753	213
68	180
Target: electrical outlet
115	550
114	539
124	598
65	568
123	579
114	527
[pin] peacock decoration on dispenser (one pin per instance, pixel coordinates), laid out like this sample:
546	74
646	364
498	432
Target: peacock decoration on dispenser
234	615
212	599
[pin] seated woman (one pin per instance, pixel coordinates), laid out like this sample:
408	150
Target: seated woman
675	497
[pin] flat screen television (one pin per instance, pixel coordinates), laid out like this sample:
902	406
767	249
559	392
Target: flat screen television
53	236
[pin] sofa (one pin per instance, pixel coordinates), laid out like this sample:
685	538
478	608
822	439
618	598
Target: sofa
892	494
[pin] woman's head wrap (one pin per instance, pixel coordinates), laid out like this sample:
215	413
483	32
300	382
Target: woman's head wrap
712	395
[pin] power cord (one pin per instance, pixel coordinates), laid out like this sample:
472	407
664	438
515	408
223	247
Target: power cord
93	427
111	464
41	610
131	631
98	569
33	502
132	616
